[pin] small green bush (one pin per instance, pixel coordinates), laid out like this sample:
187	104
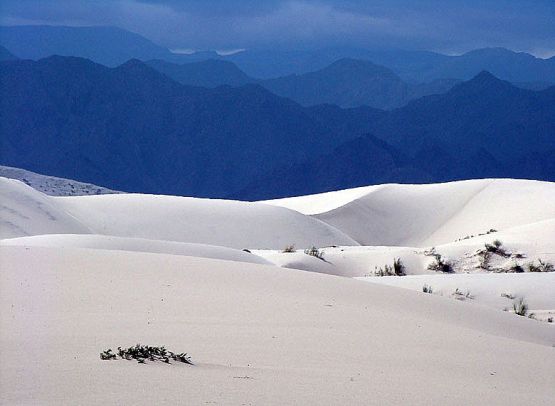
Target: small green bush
440	265
398	267
520	307
460	295
541	267
289	249
315	252
142	353
496	248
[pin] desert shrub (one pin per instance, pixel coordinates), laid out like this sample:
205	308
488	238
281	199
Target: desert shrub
508	295
491	230
314	252
289	248
550	319
496	248
440	265
485	257
398	267
516	268
520	307
107	355
387	270
460	295
427	289
541	267
142	353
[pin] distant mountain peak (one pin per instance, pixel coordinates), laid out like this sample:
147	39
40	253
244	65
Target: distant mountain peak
132	63
6	55
485	75
484	81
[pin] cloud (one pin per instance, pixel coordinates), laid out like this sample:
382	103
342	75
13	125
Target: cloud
449	25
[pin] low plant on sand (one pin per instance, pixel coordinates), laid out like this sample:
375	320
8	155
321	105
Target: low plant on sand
520	307
143	353
460	295
398	267
440	265
315	252
541	267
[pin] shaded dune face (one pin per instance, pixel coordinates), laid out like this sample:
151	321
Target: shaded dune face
427	215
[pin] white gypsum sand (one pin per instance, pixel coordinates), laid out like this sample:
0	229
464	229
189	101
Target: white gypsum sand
80	275
257	334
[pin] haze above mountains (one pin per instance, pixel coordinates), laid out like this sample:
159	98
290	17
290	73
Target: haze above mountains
167	125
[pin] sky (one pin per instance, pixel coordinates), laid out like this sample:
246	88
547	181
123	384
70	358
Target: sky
448	26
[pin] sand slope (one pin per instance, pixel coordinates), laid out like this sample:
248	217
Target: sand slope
535	241
426	215
26	212
258	334
498	291
104	242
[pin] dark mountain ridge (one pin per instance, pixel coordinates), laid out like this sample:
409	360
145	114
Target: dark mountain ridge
132	128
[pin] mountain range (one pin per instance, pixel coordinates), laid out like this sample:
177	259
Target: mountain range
112	46
481	128
132	128
346	82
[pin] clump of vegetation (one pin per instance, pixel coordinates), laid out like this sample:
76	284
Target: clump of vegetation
508	295
107	355
397	269
460	295
517	268
541	267
472	236
520	307
143	353
289	249
440	265
315	252
497	248
387	270
427	289
485	257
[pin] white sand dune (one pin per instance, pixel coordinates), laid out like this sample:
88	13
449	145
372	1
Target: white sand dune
25	211
258	335
535	241
426	215
499	291
233	224
52	185
105	242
